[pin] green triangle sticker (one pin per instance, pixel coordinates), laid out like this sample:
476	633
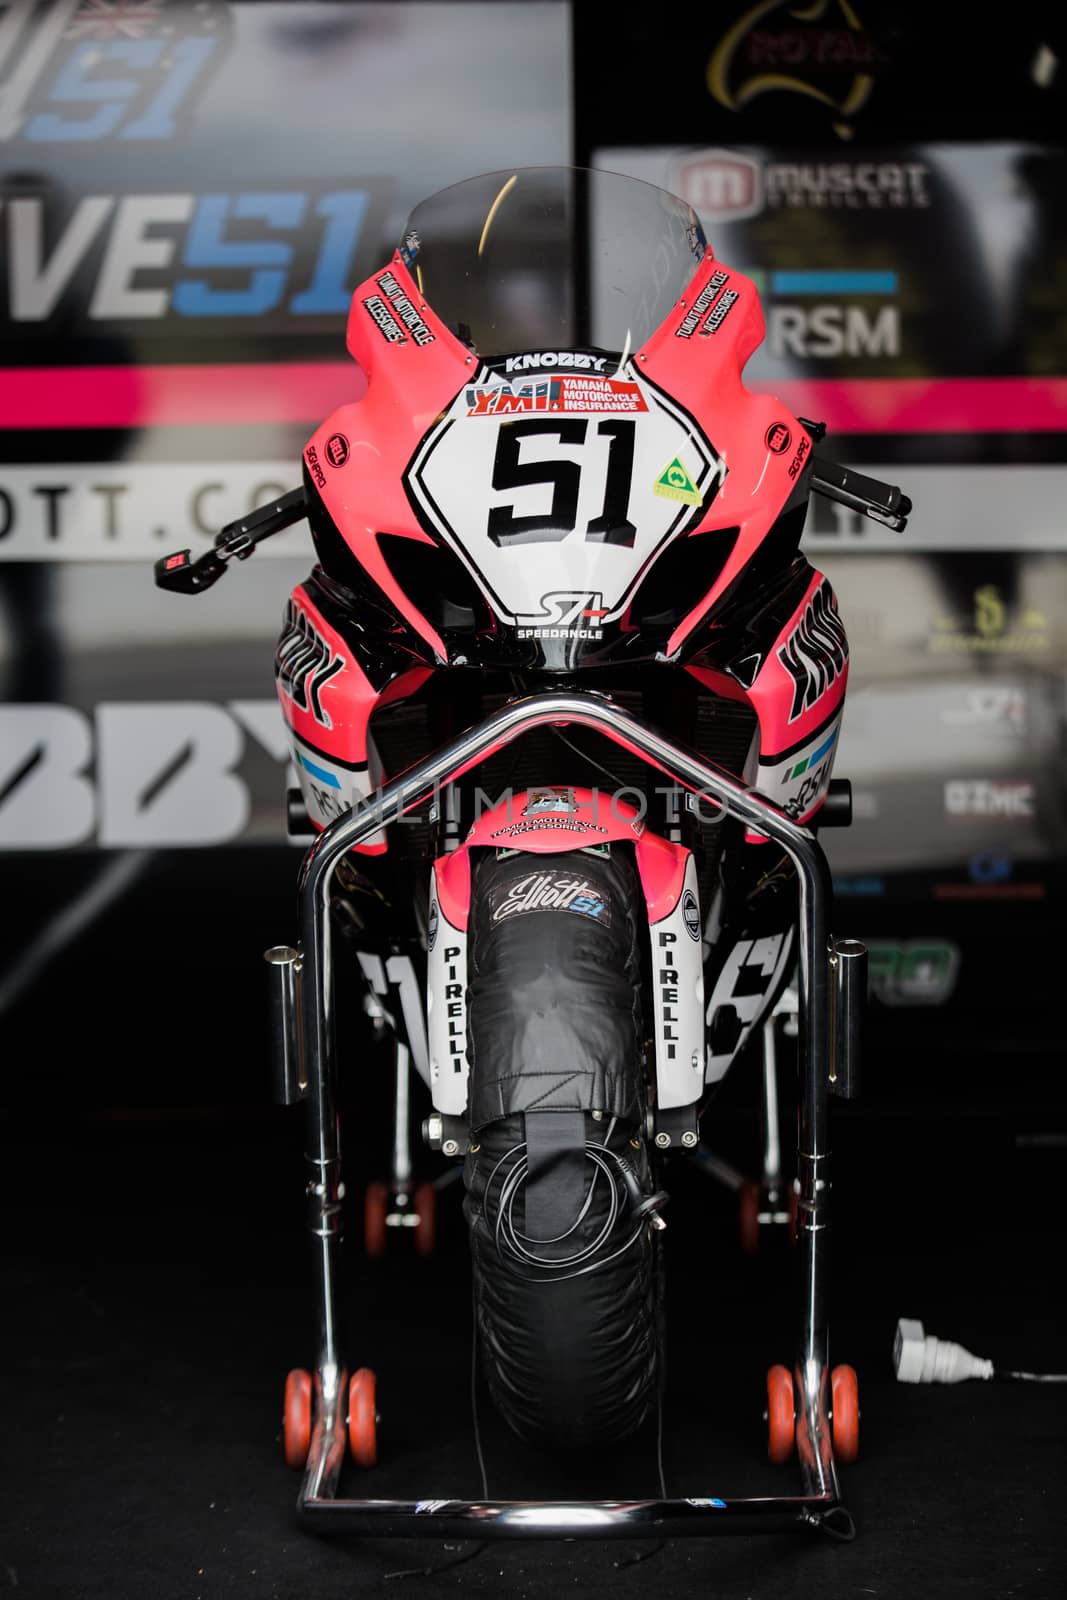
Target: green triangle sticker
674	483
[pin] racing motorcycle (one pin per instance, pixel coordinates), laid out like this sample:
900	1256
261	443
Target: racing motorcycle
563	696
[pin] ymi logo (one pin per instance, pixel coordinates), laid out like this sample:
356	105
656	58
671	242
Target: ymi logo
720	185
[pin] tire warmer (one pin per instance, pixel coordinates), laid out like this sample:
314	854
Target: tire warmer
546	823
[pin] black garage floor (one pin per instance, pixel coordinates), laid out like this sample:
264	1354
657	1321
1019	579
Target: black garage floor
155	1286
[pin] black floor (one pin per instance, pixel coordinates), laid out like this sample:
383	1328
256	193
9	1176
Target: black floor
155	1285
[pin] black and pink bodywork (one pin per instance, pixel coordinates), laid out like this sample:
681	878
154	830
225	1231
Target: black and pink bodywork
626	522
563	698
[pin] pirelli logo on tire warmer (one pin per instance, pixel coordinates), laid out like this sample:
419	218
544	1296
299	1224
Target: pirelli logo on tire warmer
678	988
446	1006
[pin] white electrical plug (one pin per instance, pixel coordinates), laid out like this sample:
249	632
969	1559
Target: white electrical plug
920	1358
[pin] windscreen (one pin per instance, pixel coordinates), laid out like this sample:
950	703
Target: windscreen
508	260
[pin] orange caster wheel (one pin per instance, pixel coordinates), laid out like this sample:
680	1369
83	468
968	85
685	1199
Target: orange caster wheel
846	1413
780	1414
375	1208
362	1419
296	1421
748	1199
426	1218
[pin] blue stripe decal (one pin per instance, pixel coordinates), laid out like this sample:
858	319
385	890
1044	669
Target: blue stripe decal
821	751
318	772
833	283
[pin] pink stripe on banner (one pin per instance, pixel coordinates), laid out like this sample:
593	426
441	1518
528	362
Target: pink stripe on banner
928	405
174	396
307	391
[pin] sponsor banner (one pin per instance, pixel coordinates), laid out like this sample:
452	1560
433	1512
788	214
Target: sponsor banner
181	394
149	214
913	972
915	268
138	511
78	72
925	405
185	394
133	774
991	875
990	797
181	264
842	73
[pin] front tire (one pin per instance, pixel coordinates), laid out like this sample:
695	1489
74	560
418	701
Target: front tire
568	1319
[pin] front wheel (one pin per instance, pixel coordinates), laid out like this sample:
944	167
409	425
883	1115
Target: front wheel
566	1266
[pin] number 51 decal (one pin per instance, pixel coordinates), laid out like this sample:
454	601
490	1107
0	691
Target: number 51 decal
612	526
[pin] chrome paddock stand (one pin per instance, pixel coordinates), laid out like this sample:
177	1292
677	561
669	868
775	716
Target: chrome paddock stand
828	1023
771	1200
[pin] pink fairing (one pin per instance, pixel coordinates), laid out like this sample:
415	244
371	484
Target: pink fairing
526	822
344	701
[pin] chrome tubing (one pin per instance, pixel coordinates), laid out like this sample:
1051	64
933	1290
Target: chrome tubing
848	962
424	779
290	1083
400	1175
577	1519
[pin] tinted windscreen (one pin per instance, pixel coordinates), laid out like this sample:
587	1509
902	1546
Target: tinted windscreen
506	259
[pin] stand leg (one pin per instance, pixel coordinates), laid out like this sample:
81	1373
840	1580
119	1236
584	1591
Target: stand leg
400	1172
811	1373
325	1195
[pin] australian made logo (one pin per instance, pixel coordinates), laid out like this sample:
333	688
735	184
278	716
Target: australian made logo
674	483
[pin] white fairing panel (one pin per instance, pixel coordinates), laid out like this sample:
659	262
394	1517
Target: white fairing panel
678	989
749	977
446	1006
557	482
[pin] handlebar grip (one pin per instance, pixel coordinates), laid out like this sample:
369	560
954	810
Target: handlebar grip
883	502
182	575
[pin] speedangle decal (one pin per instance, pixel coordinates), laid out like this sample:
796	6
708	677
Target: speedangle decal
539	493
565	614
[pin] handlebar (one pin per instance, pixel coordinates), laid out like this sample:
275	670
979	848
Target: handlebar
180	573
882	502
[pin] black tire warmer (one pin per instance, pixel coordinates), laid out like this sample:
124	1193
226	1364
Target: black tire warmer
566	1268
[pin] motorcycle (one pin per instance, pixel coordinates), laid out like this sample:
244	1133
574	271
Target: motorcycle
564	696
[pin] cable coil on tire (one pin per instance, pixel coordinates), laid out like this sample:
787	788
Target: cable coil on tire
511	1241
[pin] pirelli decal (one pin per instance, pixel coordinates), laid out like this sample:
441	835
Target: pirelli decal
816	651
446	1005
